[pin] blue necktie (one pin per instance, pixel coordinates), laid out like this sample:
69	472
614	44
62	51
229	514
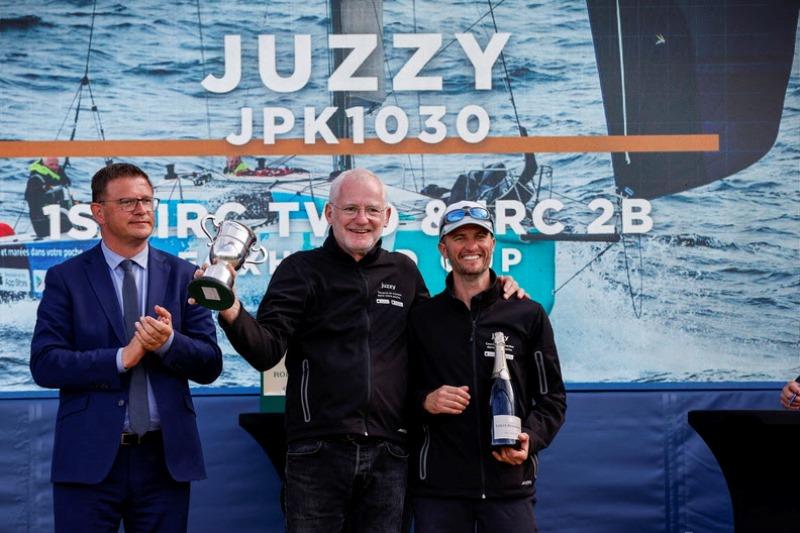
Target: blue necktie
138	410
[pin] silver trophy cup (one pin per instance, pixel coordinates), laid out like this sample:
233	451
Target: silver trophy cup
234	244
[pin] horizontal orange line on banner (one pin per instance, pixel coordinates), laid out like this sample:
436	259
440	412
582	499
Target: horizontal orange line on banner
451	145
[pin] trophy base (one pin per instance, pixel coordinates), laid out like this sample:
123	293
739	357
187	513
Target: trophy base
211	293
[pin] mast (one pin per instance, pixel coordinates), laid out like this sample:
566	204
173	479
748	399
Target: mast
353	17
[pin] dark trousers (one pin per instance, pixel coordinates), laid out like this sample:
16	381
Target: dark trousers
462	515
138	491
345	484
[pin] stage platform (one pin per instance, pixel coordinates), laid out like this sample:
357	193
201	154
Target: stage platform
625	461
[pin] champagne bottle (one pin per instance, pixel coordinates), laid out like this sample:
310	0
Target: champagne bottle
506	425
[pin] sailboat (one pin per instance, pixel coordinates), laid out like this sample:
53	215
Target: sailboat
663	69
681	67
532	263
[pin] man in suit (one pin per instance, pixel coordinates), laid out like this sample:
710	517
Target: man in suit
115	335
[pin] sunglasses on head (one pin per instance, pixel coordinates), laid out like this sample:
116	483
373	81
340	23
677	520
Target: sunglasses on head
478	213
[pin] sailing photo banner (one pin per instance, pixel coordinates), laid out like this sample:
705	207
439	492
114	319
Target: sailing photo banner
640	160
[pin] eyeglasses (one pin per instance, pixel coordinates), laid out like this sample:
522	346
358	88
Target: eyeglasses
129	204
478	213
370	211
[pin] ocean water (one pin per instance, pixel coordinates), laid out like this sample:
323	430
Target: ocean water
710	294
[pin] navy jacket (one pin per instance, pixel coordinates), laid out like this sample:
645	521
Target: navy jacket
79	328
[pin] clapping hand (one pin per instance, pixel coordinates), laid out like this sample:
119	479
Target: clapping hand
151	332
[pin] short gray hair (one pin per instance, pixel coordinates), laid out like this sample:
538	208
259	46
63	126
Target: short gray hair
354	173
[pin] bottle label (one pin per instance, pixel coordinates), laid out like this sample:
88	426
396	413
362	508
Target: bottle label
506	427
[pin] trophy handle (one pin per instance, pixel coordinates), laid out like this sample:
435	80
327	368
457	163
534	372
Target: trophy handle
213	220
262	251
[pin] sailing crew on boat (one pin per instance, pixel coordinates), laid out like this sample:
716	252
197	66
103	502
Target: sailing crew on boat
339	314
47	184
457	482
235	165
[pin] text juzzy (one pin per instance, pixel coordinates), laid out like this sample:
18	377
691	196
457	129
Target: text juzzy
391	122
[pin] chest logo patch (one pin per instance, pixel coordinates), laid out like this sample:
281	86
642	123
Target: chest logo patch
389	295
489	349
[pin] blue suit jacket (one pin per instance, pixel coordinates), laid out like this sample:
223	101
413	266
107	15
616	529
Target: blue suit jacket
79	328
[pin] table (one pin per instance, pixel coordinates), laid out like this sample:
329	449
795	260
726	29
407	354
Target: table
759	454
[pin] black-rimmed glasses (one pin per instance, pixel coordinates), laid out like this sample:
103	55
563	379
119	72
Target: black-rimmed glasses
129	204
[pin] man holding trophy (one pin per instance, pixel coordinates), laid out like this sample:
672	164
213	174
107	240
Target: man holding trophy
486	388
115	334
339	313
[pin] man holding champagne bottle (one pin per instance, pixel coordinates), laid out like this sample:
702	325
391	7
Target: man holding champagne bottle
486	389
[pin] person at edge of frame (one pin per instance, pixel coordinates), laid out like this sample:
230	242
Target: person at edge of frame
115	334
339	314
458	483
789	395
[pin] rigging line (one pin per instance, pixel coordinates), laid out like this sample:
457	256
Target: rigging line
419	105
505	70
637	311
622	82
77	112
96	113
573	200
14	227
330	58
66	115
282	160
584	267
539	186
391	76
85	79
91	36
203	62
445	47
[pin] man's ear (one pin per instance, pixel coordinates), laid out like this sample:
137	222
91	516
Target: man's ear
387	216
442	249
98	214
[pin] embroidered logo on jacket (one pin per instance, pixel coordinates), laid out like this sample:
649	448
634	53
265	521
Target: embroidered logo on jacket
489	349
388	295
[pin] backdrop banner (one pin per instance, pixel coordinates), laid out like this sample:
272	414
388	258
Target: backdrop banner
641	159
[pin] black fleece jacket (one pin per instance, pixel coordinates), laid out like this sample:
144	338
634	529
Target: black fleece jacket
342	325
450	344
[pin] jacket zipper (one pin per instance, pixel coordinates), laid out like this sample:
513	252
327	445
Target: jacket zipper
472	340
368	353
304	392
539	358
423	453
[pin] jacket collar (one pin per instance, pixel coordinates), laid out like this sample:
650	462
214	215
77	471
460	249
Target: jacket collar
99	276
331	246
482	299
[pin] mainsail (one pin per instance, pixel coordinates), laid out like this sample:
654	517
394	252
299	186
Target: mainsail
685	67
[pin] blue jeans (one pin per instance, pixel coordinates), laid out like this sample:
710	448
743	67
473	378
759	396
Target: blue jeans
345	484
